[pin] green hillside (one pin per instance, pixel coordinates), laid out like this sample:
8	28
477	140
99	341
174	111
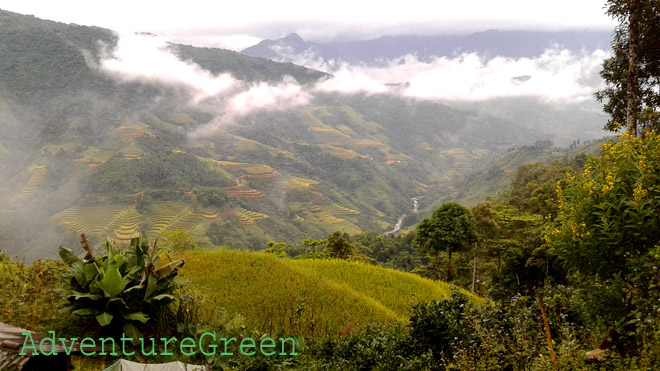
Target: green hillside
308	297
348	163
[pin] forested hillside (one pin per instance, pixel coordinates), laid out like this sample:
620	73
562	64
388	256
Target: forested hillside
89	150
378	232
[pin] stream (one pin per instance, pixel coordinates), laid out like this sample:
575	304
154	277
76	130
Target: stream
399	223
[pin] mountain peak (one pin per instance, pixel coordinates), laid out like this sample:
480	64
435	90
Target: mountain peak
293	37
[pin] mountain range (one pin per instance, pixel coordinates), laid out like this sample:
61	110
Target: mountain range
116	153
488	44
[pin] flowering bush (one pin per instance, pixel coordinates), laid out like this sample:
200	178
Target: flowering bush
608	231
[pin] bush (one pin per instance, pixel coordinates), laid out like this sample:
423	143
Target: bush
608	234
123	288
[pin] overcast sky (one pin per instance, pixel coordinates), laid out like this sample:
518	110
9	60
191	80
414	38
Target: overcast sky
237	22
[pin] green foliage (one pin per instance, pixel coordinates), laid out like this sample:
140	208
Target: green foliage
123	288
451	228
277	249
156	170
338	246
394	251
27	296
615	69
178	241
608	232
210	197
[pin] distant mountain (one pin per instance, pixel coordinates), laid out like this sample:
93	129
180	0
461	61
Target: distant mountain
82	152
489	44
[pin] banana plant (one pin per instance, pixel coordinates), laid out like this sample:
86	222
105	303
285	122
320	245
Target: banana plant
123	286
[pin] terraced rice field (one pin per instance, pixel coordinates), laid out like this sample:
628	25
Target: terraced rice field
296	183
122	222
247	217
329	219
246	168
340	210
130	132
342	153
125	225
89	220
166	215
239	192
95	155
37	175
267	176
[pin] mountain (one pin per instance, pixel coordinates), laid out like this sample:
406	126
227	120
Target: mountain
83	150
488	44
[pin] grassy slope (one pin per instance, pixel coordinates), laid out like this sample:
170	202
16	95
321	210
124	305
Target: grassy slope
308	298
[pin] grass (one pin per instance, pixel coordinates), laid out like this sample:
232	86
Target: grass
312	298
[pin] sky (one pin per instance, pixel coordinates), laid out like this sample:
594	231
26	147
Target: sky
238	24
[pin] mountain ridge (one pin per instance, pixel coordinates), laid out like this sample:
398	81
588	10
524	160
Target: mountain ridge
488	44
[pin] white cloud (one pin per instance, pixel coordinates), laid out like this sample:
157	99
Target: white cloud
555	76
263	96
141	57
148	58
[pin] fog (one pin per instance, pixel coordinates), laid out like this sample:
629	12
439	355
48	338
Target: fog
546	92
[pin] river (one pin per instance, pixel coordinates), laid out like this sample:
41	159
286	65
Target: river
399	223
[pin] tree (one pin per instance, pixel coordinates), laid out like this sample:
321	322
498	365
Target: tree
486	227
632	74
338	246
608	232
451	228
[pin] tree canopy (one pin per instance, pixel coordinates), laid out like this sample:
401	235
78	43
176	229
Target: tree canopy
451	228
632	74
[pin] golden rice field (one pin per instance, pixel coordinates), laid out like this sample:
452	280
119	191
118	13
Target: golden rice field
122	222
311	298
130	132
37	175
247	217
342	153
95	155
297	183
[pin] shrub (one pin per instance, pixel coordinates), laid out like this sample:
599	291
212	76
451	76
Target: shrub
123	288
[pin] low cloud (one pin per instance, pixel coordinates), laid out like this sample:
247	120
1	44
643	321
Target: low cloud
149	58
556	76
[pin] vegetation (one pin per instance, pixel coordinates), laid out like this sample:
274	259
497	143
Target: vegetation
632	74
450	229
123	288
562	251
608	233
311	298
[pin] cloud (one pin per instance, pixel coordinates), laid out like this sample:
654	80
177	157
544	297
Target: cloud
556	76
149	58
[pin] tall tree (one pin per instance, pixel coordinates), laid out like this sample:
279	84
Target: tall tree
451	228
632	74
